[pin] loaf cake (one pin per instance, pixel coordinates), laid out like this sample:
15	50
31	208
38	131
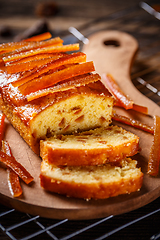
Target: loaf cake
60	107
80	108
62	96
87	182
93	147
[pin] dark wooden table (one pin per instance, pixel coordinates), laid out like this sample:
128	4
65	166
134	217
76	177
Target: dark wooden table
19	19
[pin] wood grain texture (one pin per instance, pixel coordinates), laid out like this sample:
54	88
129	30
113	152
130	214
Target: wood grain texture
36	201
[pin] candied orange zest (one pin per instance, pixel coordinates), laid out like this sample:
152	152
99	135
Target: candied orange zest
133	123
140	108
154	158
15	47
6	148
110	83
29	75
44	65
39	37
11	46
13	178
53	64
14	183
30	46
21	67
137	108
70	83
11	162
47	49
36	57
2	118
58	76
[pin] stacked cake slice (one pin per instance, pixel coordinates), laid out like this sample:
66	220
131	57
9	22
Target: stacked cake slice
91	164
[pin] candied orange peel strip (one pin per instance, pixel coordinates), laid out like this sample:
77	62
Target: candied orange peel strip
2	118
16	47
39	37
154	158
36	57
21	67
47	49
45	65
29	46
11	162
115	90
24	45
140	108
53	64
55	77
13	178
70	83
11	46
14	183
136	107
133	123
121	99
26	66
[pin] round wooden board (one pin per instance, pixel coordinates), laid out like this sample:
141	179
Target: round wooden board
37	201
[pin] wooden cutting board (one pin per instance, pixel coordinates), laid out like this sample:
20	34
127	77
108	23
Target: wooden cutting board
112	52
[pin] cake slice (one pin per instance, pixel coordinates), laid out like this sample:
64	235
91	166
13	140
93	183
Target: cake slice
93	147
96	182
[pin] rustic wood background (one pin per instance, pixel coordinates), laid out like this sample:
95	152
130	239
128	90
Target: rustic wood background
16	16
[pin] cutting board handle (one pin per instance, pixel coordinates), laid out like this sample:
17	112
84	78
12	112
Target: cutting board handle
113	52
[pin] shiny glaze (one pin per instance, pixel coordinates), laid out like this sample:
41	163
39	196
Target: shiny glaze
28	110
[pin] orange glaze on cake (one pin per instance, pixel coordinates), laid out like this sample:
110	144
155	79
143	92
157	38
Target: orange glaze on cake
77	108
